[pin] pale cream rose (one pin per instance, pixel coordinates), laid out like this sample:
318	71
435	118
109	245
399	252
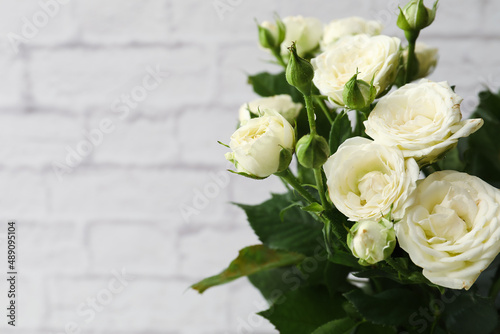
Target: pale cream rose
422	119
349	26
283	104
306	32
452	229
376	57
365	179
256	146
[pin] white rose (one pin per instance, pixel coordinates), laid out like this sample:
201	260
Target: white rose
375	57
372	241
427	59
422	119
306	32
452	230
256	146
355	25
283	104
365	179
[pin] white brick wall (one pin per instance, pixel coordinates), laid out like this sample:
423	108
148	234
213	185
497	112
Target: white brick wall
120	208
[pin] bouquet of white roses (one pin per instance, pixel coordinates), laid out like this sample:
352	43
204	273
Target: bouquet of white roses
392	211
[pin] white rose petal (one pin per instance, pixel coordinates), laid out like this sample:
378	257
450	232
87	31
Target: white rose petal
452	229
283	104
349	26
365	179
374	57
422	119
256	146
306	32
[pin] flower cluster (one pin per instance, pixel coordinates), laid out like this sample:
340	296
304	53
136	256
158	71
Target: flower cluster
385	181
448	222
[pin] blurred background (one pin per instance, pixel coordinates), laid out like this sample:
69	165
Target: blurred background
110	112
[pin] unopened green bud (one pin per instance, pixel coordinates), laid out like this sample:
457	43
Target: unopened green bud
271	35
281	30
299	72
372	241
266	38
312	151
415	16
358	94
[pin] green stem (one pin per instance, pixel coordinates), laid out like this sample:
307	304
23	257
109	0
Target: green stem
436	167
294	182
279	58
318	175
323	107
410	61
310	113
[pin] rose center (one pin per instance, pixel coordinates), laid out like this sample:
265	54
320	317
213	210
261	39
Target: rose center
371	185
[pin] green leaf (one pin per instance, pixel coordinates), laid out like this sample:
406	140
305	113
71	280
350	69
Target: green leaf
311	272
369	328
470	314
452	161
304	310
273	283
483	153
391	307
345	259
299	232
336	278
267	84
340	131
339	326
313	207
250	260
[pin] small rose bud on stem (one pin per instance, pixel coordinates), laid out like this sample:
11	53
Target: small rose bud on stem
372	241
413	18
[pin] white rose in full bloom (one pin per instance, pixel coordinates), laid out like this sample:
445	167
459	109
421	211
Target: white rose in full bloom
306	32
256	146
427	57
283	104
349	26
365	179
375	57
422	119
452	229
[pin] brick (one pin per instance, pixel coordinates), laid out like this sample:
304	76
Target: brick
237	62
108	76
147	304
59	248
30	20
135	194
460	17
199	131
23	195
30	302
219	248
135	142
490	15
243	316
120	21
13	83
140	247
36	139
